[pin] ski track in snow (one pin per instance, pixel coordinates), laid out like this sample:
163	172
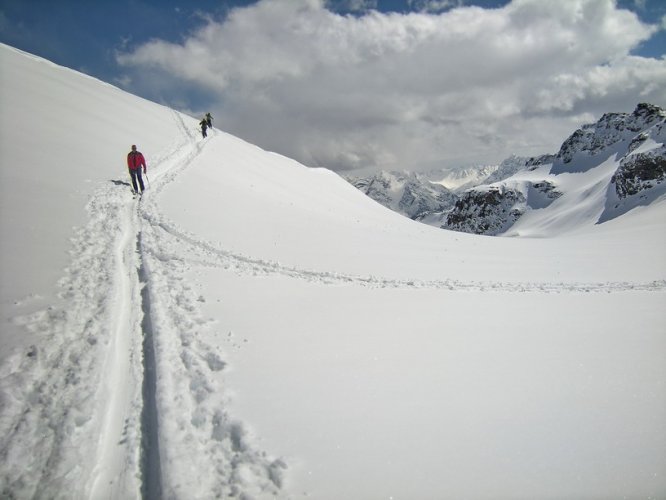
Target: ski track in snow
55	397
77	417
123	349
207	254
223	462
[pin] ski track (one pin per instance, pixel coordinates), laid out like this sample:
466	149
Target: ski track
55	397
208	254
202	447
88	411
123	347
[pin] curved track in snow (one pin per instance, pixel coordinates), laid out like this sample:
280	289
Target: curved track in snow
209	254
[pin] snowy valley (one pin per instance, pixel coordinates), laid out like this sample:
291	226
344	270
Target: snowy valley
254	328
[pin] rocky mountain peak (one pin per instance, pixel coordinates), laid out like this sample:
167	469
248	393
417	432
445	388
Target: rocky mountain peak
611	130
649	113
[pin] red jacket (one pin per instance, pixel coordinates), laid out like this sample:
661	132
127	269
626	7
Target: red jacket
135	160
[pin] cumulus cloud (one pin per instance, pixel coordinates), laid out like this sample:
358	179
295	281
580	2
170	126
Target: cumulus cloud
407	91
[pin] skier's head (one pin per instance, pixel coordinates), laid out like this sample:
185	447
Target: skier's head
133	147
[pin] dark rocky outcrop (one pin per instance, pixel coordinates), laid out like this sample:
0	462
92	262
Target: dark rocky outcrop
486	212
640	172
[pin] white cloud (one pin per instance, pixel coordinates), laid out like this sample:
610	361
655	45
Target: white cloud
413	90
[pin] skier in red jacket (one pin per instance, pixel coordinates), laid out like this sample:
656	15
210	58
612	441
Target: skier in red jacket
135	161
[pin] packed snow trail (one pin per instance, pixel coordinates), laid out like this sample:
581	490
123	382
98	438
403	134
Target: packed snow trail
116	410
151	468
77	392
76	408
201	447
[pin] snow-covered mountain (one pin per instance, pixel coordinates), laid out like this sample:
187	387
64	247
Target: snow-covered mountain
614	133
429	197
459	179
601	171
514	164
410	194
490	200
253	328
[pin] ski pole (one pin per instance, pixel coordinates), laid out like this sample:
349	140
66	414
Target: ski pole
147	179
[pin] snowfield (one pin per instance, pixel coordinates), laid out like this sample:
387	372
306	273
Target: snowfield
253	328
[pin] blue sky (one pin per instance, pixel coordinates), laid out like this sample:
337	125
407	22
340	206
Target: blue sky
194	55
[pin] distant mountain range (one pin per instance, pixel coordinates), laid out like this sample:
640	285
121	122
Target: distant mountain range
620	161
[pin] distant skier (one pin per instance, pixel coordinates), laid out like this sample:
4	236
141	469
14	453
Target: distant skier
135	161
204	125
209	120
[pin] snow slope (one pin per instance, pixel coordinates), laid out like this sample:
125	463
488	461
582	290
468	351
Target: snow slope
254	328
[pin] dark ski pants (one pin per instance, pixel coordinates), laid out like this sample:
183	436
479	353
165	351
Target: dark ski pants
136	173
